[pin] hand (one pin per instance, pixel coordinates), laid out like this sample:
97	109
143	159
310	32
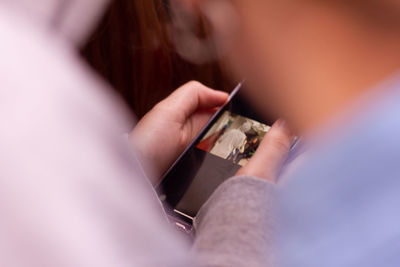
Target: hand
163	134
271	154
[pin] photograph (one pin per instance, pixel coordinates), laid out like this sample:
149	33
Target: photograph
234	138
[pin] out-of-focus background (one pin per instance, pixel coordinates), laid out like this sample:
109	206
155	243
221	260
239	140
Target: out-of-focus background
133	50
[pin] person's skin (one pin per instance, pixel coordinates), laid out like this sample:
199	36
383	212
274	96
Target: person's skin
314	57
163	134
305	61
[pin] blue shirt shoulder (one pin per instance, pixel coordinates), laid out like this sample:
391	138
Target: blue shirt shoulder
342	206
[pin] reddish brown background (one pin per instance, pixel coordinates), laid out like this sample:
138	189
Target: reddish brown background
122	50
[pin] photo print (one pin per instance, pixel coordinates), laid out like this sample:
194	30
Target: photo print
234	138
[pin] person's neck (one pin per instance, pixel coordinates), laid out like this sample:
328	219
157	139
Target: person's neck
319	106
334	76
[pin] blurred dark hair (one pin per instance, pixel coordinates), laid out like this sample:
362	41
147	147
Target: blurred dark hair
132	50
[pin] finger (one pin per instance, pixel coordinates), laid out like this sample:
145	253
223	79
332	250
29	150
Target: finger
200	119
194	96
271	154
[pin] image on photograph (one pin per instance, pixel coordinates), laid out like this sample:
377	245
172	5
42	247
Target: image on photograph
234	138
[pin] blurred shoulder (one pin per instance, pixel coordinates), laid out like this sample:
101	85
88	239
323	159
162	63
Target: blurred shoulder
344	197
44	79
54	108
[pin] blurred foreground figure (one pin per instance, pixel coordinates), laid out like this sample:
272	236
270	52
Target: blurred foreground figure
71	191
331	69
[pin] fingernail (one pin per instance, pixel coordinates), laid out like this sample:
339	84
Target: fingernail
281	123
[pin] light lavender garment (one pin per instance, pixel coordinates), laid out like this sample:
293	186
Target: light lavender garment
71	193
72	20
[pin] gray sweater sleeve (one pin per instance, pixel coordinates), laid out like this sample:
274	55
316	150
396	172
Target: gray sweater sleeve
234	226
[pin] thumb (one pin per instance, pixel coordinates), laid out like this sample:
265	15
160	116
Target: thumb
271	154
194	96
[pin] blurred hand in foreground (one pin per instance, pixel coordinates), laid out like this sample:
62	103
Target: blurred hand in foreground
271	154
163	134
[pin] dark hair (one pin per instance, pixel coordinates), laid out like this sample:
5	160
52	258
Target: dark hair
132	50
